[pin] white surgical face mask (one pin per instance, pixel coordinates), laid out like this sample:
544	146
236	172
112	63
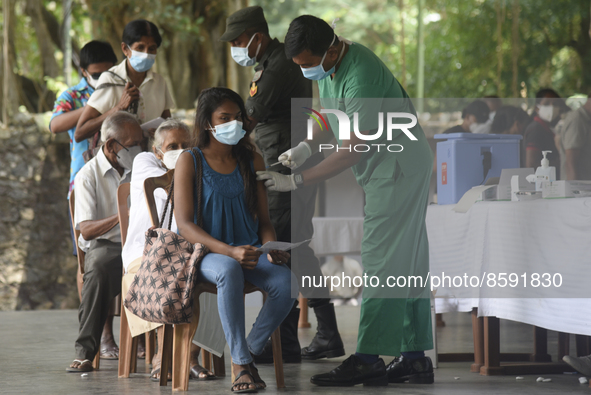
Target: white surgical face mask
474	126
240	55
141	61
169	158
126	155
92	82
317	73
547	112
228	133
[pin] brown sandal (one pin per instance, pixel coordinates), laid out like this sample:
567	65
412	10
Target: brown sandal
245	390
155	375
196	371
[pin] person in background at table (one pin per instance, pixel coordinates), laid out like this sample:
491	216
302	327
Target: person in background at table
511	120
236	222
574	143
396	186
494	103
100	236
170	139
539	134
96	57
277	80
473	115
131	85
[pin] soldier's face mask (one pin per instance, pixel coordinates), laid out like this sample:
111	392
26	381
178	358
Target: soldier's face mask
240	55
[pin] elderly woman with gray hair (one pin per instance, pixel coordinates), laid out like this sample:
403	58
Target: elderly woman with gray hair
170	139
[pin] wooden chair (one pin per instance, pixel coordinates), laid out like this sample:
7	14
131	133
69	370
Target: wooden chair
80	273
127	344
209	361
177	340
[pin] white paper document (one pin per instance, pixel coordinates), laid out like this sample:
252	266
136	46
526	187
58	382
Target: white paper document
470	197
280	245
153	124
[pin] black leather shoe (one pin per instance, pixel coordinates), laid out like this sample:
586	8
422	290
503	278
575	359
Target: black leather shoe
327	342
415	371
352	372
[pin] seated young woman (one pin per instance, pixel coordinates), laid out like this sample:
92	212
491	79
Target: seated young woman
170	139
235	222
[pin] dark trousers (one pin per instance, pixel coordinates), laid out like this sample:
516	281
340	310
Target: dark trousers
294	224
102	282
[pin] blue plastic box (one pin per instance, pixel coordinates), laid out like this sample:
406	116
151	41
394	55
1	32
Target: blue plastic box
460	161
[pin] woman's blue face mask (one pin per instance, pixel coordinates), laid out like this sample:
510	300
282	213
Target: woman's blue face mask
228	133
141	61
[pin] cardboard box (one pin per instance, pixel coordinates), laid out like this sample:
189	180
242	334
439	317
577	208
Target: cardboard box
504	188
565	189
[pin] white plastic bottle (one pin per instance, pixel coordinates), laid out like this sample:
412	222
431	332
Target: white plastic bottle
545	172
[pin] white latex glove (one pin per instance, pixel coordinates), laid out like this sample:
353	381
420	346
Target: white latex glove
276	181
295	157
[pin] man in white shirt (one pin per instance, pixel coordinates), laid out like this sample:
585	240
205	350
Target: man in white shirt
100	237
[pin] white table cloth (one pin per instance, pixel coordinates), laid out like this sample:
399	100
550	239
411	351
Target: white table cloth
337	235
540	236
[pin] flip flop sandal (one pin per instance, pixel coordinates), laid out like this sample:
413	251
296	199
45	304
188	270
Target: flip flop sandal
246	390
109	354
196	371
85	366
261	385
157	379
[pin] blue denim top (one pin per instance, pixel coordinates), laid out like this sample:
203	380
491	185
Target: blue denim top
225	214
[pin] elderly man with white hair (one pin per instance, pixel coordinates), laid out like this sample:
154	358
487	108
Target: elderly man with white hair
100	237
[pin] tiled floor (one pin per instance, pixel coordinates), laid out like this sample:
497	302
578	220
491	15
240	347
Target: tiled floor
36	347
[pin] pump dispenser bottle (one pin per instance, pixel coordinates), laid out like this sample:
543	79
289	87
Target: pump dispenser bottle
545	172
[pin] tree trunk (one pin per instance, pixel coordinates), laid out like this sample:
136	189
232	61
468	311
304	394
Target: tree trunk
402	44
9	100
54	28
500	9
583	48
515	48
33	9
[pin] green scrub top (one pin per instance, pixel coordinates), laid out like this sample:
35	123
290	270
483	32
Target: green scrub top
362	75
396	189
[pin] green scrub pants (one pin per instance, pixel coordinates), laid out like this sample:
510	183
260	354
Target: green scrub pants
395	244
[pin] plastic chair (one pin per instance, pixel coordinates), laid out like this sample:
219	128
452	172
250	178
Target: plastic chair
127	344
177	340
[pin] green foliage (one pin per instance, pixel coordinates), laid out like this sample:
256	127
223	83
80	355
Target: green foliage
461	47
460	37
175	16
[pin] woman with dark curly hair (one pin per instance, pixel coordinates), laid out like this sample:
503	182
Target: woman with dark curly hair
235	221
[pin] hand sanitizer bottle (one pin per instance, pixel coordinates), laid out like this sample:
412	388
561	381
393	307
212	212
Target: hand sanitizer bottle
545	172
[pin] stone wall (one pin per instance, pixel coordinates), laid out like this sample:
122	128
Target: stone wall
37	269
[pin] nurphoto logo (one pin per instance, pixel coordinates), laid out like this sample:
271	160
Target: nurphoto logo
392	119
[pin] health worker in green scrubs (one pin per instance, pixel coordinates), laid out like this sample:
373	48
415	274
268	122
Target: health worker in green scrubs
394	174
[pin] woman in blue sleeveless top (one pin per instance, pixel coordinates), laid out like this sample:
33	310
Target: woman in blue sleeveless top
235	222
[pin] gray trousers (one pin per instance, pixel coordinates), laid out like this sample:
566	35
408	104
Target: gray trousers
102	282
